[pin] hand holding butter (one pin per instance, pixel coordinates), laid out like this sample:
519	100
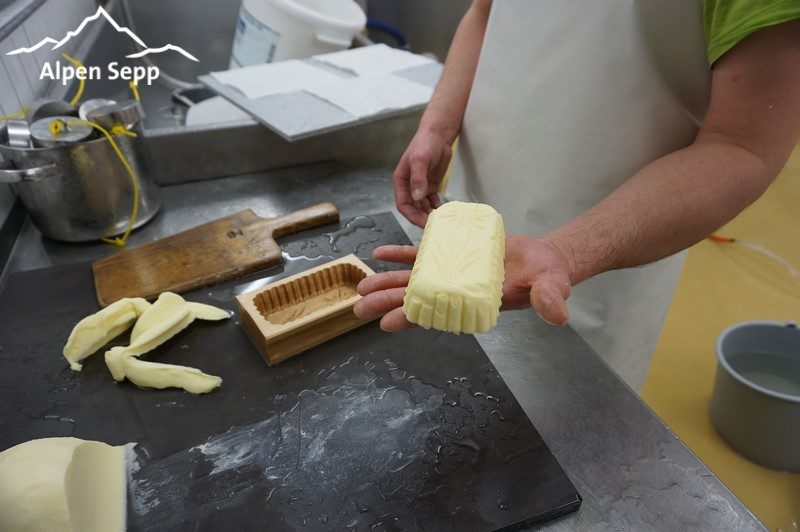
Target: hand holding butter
465	271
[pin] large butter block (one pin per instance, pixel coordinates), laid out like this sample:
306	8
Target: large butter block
457	281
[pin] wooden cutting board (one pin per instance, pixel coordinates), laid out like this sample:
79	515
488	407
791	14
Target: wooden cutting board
207	254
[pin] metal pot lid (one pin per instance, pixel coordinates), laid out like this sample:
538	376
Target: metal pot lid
90	105
68	131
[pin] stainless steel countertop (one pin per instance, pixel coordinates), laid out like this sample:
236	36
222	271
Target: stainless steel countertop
632	471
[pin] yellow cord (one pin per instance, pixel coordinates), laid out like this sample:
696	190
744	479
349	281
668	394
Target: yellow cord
19	115
135	90
57	127
81	82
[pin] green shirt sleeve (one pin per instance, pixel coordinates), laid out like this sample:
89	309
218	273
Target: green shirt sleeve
728	22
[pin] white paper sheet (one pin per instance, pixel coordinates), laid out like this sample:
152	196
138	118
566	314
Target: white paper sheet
275	78
372	95
375	59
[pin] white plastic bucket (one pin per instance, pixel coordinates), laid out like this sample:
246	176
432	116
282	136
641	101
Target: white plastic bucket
275	30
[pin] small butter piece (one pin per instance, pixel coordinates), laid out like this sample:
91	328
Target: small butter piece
205	312
95	331
123	364
169	315
157	375
457	281
165	318
115	360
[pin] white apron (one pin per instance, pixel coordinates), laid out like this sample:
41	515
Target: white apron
570	99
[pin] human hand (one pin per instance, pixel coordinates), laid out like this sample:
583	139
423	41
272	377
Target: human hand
536	274
419	174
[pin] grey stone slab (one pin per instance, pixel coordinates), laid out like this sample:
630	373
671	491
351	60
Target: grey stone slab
425	74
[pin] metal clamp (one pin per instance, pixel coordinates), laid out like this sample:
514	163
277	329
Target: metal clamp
18	175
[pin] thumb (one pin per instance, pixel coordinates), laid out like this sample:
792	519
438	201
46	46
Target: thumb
419	179
549	299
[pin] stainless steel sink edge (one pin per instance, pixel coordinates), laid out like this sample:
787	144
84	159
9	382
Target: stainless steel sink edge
196	153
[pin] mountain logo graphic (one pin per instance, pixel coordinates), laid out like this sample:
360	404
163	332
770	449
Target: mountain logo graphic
121	29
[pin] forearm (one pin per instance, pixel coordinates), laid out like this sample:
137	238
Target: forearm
669	205
752	124
445	112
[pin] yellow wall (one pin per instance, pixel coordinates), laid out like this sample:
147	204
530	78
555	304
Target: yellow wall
723	284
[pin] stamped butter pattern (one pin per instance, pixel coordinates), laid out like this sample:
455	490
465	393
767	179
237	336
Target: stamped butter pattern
304	296
457	281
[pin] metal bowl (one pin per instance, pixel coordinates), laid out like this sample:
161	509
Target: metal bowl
78	192
756	401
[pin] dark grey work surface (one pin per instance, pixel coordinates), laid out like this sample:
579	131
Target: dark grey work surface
372	431
631	470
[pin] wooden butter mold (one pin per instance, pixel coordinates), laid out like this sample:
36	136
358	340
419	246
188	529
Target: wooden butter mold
294	314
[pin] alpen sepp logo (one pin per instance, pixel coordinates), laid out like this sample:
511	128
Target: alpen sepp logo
66	73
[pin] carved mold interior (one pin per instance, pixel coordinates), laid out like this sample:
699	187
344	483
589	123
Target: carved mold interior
291	301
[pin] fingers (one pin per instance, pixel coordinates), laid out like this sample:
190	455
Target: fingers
549	299
417	211
416	185
402	195
402	254
383	292
379	302
402	190
413	214
395	321
383	281
392	321
424	205
419	178
387	301
437	174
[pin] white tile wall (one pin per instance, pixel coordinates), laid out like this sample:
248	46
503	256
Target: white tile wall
19	74
35	29
26	61
9	103
20	85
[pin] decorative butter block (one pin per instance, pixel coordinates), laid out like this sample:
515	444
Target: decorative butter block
289	316
457	281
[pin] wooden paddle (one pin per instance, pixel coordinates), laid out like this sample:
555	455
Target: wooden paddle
210	253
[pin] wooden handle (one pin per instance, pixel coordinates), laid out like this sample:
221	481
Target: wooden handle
316	215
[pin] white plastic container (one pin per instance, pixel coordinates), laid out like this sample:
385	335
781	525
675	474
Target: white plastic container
275	30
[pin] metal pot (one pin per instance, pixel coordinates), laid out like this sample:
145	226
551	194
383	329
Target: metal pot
756	400
81	191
